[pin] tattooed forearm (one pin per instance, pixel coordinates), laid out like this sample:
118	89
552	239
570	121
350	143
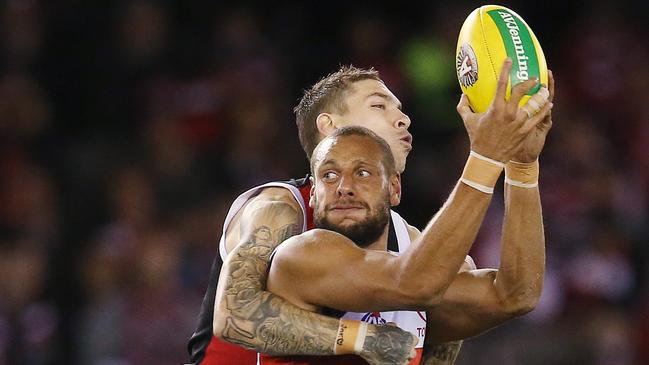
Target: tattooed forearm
441	354
388	345
258	319
277	327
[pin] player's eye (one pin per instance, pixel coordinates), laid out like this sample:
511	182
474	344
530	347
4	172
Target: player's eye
329	175
363	173
379	106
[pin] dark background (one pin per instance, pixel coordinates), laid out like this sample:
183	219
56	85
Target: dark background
128	127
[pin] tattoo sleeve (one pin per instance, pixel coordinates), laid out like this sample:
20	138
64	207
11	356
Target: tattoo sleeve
442	353
388	345
260	320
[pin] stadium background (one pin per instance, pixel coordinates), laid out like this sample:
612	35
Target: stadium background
127	128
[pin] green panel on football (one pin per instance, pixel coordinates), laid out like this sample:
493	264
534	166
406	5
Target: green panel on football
519	47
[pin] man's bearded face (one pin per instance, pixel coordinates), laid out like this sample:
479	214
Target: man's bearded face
363	232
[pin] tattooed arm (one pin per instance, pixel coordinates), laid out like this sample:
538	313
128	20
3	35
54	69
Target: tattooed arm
247	315
441	353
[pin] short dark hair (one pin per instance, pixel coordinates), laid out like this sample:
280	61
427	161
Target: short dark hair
386	152
326	95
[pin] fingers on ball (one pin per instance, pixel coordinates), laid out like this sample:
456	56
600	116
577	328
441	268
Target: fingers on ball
536	102
503	80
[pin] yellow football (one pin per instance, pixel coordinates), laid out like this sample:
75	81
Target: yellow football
490	34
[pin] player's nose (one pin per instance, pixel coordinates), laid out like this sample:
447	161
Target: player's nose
345	187
403	121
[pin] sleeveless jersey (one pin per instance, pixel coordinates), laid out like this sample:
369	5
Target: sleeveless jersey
205	349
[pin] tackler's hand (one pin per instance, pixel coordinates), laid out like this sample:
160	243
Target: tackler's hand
388	344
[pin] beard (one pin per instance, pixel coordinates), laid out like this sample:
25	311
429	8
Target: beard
362	233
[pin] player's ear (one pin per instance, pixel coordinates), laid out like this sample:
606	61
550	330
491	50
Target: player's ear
395	189
325	124
312	193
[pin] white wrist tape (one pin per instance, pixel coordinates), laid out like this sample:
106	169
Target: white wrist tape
351	337
360	338
522	174
484	158
481	173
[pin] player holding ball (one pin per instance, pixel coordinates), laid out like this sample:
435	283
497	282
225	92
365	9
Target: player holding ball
504	136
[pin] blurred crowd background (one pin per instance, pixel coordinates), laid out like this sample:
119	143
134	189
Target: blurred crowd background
128	127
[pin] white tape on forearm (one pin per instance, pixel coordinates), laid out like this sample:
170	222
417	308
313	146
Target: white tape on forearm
520	184
484	158
522	174
482	188
360	339
350	337
481	173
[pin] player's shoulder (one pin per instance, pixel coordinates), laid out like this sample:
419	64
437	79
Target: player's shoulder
315	244
316	239
271	206
274	195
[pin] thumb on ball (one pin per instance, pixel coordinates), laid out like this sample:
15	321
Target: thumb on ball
463	107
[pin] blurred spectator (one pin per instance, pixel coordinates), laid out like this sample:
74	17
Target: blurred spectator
142	33
22	25
24	109
29	320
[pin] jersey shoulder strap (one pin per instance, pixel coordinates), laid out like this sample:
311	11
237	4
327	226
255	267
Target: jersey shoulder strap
398	232
242	199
